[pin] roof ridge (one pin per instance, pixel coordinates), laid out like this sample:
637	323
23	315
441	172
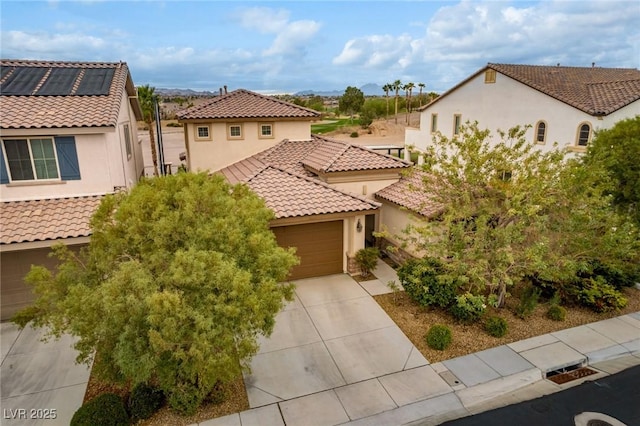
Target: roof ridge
75	197
362	148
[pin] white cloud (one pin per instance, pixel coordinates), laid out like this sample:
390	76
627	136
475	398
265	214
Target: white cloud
293	38
263	19
376	51
69	46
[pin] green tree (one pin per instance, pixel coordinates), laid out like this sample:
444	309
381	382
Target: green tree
179	278
616	151
408	88
387	88
421	86
316	103
351	101
147	98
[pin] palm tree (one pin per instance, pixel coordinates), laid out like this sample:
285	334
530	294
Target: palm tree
396	86
421	86
387	87
409	88
147	97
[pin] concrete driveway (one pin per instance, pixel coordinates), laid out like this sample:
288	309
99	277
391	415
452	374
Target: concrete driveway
335	350
40	382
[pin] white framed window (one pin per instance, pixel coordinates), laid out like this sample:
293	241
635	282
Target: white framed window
434	123
234	131
541	133
127	140
584	134
203	133
31	159
457	122
265	131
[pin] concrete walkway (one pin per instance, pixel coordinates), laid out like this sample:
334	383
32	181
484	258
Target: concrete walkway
38	376
336	358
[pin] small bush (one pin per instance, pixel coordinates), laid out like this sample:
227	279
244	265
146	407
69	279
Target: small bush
174	124
438	337
104	410
425	281
367	259
597	294
468	308
557	313
528	302
144	401
496	326
354	134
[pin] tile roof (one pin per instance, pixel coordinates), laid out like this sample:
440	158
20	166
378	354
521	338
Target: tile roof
594	90
410	192
36	111
246	104
40	220
337	156
292	195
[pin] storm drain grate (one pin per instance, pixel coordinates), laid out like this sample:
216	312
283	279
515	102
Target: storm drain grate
569	374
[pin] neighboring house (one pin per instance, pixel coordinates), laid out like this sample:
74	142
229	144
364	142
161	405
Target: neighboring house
68	136
562	104
234	126
321	192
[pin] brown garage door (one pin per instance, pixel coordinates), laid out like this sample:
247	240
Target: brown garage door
319	246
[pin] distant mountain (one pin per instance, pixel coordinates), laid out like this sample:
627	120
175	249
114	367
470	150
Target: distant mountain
370	89
183	92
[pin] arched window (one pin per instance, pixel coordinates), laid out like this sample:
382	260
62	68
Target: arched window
541	132
584	134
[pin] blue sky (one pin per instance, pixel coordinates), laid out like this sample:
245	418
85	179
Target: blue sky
284	47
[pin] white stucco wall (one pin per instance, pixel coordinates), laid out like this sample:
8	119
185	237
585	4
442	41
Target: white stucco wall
366	189
505	104
394	220
220	151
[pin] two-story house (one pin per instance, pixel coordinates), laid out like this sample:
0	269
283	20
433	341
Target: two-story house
561	104
321	190
68	136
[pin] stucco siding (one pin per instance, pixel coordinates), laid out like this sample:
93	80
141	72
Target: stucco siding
365	189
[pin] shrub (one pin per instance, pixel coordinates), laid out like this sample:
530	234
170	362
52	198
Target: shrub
438	337
104	410
367	259
496	326
528	302
599	295
424	280
354	134
617	275
174	124
557	313
468	308
144	401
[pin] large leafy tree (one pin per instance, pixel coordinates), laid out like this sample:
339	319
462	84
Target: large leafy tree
179	278
616	151
147	98
351	101
511	211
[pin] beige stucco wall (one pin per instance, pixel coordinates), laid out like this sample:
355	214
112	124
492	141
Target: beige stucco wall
394	220
507	103
220	151
366	188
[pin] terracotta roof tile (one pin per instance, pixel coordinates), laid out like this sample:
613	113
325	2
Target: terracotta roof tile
594	90
40	220
291	195
34	112
245	104
410	192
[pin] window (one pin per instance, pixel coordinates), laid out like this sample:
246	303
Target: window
266	130
234	131
434	123
584	134
31	159
202	133
490	76
127	140
457	122
541	132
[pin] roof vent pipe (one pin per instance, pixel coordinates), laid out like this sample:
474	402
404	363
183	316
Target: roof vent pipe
593	64
220	91
225	89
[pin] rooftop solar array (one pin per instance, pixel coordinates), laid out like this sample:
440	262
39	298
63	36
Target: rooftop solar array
28	81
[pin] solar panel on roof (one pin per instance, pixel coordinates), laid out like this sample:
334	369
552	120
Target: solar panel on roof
96	81
4	71
23	81
59	83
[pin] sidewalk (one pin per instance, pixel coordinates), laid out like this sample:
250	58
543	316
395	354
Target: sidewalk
435	393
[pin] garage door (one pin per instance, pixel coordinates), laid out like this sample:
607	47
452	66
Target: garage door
319	246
